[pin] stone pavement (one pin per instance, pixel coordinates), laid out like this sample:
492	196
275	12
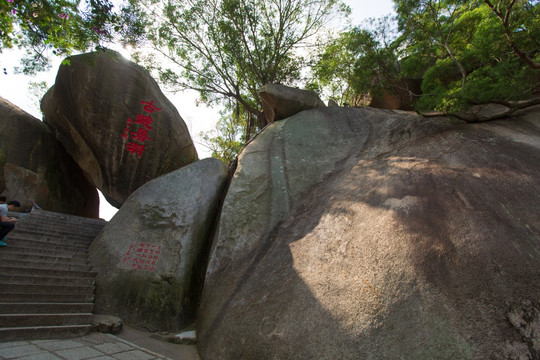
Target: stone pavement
98	346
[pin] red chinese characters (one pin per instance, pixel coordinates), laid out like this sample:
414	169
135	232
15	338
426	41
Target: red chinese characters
141	135
146	121
142	256
150	107
136	146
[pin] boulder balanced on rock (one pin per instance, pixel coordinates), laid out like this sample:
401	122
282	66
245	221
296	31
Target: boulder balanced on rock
280	101
113	119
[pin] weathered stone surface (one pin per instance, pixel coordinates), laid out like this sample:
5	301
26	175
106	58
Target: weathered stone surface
35	166
401	98
97	112
332	103
109	324
280	101
361	233
148	257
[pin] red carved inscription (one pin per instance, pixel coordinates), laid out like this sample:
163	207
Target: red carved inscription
142	256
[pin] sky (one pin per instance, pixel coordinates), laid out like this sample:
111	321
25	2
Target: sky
15	87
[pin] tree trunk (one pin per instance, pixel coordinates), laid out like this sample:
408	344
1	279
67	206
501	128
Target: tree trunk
261	120
459	65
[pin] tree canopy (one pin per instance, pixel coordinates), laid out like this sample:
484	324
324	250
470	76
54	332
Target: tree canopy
59	27
227	50
464	52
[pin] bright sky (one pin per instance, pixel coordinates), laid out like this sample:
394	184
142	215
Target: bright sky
15	87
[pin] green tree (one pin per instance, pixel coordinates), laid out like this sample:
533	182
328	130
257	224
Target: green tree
226	141
60	27
466	53
361	63
228	49
470	52
520	25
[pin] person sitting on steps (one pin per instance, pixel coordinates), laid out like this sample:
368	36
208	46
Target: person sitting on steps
6	223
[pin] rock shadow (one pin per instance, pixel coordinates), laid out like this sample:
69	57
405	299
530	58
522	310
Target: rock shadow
412	254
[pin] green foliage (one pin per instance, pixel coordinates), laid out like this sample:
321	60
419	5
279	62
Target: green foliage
360	62
466	52
231	134
37	90
60	27
471	60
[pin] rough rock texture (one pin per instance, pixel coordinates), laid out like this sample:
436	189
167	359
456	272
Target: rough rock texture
371	234
332	103
401	98
35	166
97	112
148	257
280	101
106	323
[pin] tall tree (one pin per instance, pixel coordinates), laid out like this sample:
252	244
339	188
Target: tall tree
229	49
359	63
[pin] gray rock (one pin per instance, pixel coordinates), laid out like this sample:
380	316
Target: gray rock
186	337
369	234
109	324
332	103
149	256
525	318
113	119
34	166
280	101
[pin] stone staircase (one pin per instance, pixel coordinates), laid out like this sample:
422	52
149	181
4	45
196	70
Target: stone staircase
46	282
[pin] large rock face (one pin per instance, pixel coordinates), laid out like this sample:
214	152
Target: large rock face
35	167
369	234
148	257
116	123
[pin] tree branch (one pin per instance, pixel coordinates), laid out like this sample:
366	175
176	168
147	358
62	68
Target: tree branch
508	34
477	116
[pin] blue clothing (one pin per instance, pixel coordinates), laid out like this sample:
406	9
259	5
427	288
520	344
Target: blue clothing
5	227
3	210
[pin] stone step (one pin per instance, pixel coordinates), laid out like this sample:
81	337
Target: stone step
61	238
17	241
66	226
8	287
23	320
21	234
47	280
58	265
25	247
28	297
43	332
24	270
59	217
45	308
13	256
